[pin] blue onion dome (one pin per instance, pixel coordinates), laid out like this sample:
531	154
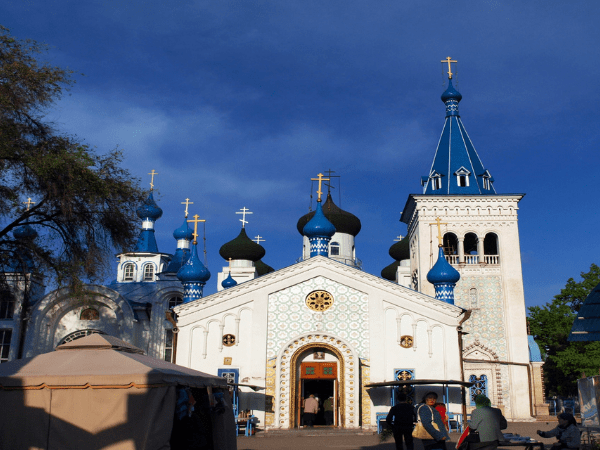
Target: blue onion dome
318	226
229	282
149	209
400	250
262	268
24	232
184	232
343	221
193	271
451	93
389	272
242	247
442	271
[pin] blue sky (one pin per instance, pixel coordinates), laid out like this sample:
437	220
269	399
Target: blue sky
239	103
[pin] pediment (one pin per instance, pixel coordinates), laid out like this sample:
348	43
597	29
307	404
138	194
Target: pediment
335	273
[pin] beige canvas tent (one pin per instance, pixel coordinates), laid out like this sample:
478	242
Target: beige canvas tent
98	392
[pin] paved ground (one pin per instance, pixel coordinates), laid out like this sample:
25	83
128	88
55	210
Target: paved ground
322	438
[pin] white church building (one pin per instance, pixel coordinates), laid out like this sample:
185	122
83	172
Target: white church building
450	307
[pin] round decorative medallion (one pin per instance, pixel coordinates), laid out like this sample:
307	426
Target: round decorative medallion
228	340
406	341
319	301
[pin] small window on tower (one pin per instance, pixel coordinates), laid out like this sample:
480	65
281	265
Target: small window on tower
334	249
436	183
462	180
128	272
149	272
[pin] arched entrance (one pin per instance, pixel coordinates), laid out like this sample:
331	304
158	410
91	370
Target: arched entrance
317	368
288	366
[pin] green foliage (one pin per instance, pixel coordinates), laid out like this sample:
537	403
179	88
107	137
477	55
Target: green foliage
84	202
551	324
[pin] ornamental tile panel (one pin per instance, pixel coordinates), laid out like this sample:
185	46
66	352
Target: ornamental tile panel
289	316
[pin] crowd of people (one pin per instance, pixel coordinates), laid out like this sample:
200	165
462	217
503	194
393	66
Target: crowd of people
428	421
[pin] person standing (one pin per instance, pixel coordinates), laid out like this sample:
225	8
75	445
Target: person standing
401	418
488	422
428	416
566	432
311	407
328	410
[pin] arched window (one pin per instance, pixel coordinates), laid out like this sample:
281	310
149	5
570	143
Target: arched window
490	249
149	272
470	245
79	334
334	249
450	244
7	304
490	244
174	301
168	356
128	271
479	388
89	314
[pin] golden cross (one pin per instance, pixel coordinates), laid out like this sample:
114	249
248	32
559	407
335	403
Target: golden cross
196	220
398	238
320	180
438	222
449	60
243	212
258	239
152	179
187	203
29	203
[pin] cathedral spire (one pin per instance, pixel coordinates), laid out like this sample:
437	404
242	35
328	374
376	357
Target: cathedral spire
456	168
149	212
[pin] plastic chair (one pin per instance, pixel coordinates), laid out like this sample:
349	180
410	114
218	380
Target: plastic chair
455	422
381	416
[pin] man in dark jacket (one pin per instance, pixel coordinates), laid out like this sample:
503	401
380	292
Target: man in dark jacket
401	418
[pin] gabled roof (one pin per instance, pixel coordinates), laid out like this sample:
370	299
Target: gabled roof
308	267
586	326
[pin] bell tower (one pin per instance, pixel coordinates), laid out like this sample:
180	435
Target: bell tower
480	239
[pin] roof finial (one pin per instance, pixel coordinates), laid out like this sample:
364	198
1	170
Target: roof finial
258	239
398	238
438	222
243	212
29	203
152	179
196	219
187	203
449	60
320	180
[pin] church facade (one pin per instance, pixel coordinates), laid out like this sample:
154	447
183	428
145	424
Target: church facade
450	307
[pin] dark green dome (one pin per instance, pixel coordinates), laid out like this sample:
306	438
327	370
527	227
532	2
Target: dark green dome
389	272
343	221
400	250
242	247
262	268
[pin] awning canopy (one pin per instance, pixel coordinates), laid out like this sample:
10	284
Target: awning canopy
420	382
